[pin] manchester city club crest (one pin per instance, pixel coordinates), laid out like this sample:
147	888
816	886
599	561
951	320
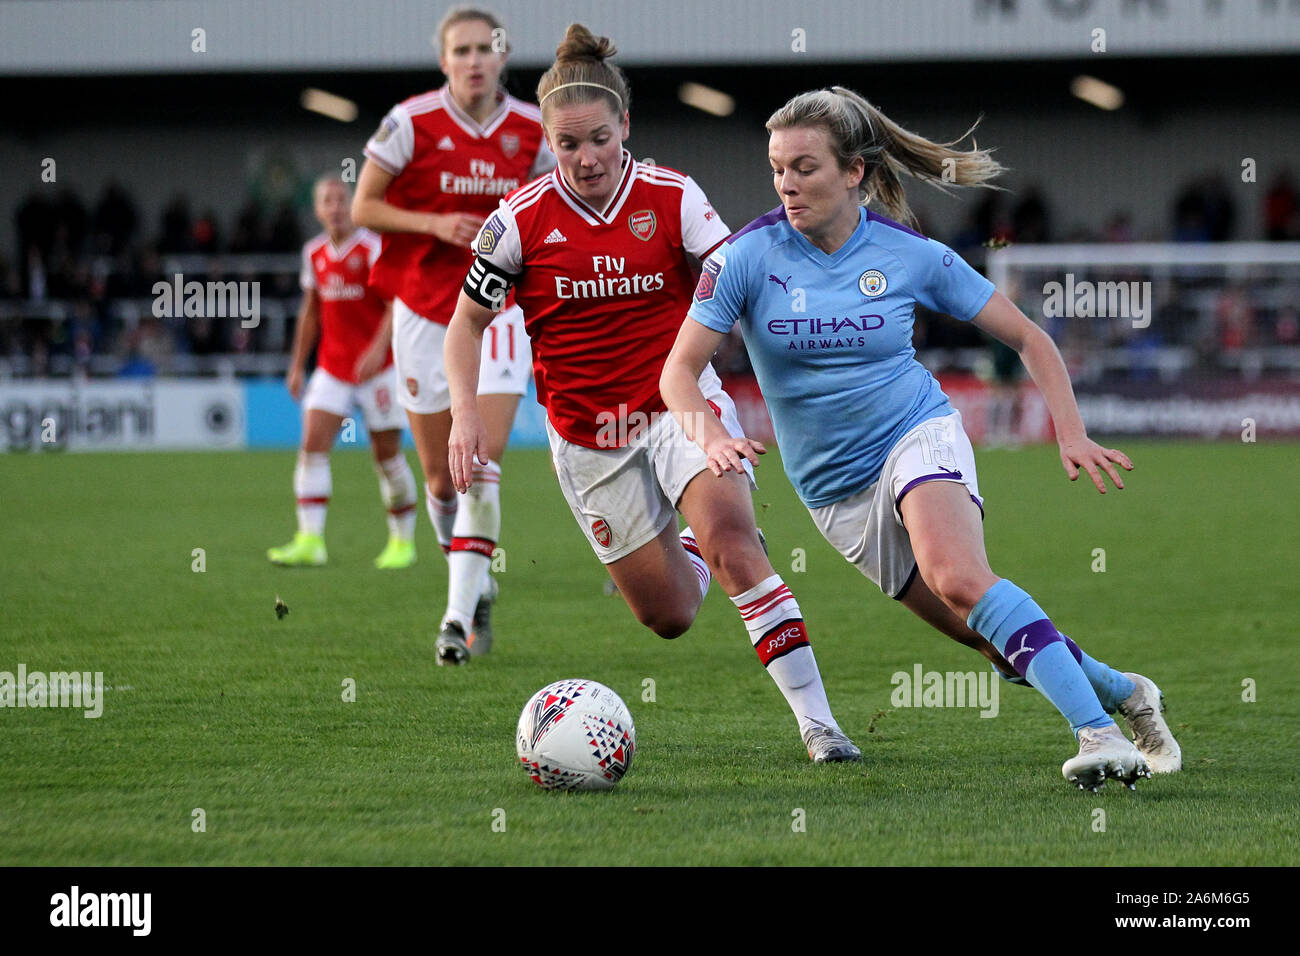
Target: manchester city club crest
642	224
872	283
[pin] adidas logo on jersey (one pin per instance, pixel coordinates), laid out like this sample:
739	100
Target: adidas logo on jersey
555	236
446	143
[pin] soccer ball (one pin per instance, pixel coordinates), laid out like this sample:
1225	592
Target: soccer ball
575	735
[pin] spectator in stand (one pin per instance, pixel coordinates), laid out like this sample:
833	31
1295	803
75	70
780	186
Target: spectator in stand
1234	321
114	221
250	231
1118	228
176	228
1281	210
205	236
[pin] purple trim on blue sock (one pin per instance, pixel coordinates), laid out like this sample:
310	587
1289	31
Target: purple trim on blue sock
1028	642
1074	648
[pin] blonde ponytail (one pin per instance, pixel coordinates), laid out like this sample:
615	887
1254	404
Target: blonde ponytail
858	129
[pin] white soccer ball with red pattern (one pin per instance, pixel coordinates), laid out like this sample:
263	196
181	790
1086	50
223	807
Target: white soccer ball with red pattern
575	735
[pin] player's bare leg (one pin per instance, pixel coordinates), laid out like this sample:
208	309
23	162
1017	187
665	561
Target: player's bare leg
312	485
925	604
947	537
720	512
498	414
397	489
659	584
430	433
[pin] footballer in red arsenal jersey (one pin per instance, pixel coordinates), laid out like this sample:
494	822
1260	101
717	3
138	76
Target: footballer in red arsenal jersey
438	164
599	255
349	324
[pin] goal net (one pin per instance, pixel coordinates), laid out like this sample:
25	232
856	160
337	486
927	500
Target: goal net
1188	339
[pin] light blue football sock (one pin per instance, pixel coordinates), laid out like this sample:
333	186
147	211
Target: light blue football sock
1112	687
1013	623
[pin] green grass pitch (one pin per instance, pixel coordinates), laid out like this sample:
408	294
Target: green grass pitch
216	704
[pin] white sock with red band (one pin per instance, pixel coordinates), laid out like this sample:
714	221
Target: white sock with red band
474	537
776	628
442	515
397	489
312	486
697	562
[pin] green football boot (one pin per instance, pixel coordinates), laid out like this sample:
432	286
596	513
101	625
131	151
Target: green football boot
304	551
398	553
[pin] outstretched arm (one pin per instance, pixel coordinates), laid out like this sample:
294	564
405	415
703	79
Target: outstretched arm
1001	319
680	388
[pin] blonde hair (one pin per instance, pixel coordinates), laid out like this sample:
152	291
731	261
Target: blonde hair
859	130
460	15
580	74
329	179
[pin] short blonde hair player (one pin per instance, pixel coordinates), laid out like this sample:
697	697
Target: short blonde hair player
598	255
435	168
349	325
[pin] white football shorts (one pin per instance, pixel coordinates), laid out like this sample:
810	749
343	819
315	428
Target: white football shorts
376	397
867	527
623	497
505	367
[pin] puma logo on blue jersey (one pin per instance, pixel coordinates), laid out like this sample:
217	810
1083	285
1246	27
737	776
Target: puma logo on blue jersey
772	278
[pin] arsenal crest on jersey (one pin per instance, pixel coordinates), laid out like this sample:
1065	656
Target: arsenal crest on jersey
509	144
600	529
642	224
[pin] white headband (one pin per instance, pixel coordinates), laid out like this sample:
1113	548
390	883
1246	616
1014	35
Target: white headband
598	86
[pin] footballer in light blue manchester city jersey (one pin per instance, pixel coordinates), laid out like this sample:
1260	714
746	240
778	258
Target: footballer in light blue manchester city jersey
830	337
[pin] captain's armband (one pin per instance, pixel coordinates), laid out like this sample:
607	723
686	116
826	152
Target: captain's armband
488	285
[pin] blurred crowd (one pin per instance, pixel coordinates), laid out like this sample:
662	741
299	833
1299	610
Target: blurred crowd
80	285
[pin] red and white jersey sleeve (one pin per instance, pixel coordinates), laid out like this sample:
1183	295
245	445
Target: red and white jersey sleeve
393	143
498	241
702	228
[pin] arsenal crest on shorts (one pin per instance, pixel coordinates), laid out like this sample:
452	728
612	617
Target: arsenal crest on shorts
413	386
642	224
600	528
509	144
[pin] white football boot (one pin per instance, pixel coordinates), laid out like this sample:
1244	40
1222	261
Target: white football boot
826	744
1104	752
1142	711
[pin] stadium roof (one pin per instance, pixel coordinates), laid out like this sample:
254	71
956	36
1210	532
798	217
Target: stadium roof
70	37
